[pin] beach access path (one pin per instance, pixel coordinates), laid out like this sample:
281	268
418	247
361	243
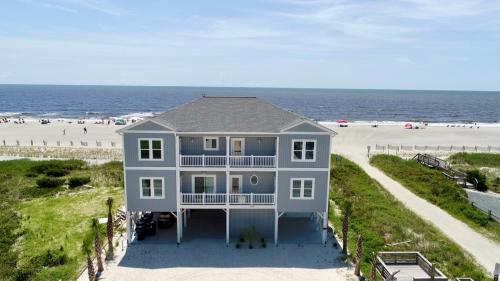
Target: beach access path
352	144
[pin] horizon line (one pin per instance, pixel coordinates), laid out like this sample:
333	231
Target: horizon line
247	87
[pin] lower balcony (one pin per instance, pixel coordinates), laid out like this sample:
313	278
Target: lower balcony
250	161
250	199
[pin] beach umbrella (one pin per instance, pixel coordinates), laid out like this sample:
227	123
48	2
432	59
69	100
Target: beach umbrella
408	126
342	121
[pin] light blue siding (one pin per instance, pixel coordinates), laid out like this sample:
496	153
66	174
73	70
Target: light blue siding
243	219
187	181
305	127
264	185
134	201
131	146
318	204
322	151
261	146
194	146
149	126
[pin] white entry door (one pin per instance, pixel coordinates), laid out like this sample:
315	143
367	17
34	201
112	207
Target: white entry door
236	184
238	146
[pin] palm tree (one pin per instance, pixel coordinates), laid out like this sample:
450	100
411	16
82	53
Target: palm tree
345	225
87	251
359	253
97	244
109	228
373	274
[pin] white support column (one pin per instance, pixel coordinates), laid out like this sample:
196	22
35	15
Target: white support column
184	216
129	227
227	227
325	227
276	217
178	188
179	226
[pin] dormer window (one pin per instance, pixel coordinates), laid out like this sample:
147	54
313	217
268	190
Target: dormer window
210	143
304	150
150	149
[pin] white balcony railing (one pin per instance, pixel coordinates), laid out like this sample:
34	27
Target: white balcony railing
234	161
203	161
203	198
252	161
222	199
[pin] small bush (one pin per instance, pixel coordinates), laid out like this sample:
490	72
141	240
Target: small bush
473	175
78	181
49	182
56	172
43	167
51	258
31	175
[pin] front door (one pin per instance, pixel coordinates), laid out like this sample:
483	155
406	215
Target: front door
204	184
236	184
237	146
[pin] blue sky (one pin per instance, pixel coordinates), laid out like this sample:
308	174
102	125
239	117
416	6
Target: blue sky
401	44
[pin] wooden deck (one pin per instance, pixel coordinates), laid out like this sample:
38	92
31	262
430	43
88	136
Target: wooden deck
411	266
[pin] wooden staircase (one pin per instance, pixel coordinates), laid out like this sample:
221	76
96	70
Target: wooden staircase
437	163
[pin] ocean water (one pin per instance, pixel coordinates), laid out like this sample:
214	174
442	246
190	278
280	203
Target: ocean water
95	102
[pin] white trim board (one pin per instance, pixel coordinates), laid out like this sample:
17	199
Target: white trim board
150	168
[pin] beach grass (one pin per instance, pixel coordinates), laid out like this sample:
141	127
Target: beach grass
436	188
487	163
47	225
476	159
383	221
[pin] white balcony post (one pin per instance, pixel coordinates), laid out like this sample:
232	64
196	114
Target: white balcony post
252	160
129	227
227	226
276	217
251	198
228	140
203	198
325	227
203	160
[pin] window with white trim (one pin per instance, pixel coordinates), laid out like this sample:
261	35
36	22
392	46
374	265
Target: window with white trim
302	188
303	150
152	188
150	149
210	143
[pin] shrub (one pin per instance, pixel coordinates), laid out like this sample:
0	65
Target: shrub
56	172
49	182
50	258
480	177
78	181
43	167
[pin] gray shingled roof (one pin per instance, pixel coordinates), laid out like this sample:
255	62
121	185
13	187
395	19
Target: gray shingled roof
228	114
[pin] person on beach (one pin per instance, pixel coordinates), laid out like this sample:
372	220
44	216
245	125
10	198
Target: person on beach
64	132
84	130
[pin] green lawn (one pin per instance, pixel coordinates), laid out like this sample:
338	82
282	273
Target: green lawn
45	223
433	186
487	163
383	220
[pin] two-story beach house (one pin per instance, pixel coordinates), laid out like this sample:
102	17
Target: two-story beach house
253	162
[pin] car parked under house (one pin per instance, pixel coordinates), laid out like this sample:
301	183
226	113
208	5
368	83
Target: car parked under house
239	160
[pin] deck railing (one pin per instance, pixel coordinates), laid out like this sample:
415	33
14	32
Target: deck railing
252	161
222	199
234	161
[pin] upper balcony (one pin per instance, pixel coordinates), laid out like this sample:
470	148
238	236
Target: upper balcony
252	161
234	152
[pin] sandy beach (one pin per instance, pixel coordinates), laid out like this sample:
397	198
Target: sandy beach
351	140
